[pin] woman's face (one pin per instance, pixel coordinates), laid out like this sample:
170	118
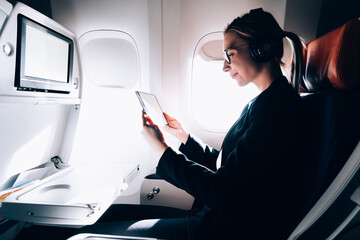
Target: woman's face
241	68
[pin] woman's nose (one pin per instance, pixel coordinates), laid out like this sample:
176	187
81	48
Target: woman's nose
226	66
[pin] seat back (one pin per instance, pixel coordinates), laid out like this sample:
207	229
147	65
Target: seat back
332	122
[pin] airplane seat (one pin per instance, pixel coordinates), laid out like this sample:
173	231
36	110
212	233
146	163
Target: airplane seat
331	101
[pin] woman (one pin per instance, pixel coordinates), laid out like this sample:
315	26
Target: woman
256	187
259	187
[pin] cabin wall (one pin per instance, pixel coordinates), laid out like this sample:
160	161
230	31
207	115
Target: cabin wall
166	34
33	124
30	135
110	118
303	18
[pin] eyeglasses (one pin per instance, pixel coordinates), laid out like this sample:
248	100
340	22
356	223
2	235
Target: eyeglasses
227	56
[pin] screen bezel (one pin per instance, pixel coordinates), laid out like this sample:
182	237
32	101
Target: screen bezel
27	83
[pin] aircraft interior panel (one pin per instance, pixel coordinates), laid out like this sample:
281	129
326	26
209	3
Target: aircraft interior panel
72	146
41	100
110	110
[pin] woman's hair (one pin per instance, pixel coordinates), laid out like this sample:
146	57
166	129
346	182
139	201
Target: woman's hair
259	29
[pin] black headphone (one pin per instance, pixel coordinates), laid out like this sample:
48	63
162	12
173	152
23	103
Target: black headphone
262	49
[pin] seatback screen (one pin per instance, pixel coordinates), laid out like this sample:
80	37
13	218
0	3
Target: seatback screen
44	58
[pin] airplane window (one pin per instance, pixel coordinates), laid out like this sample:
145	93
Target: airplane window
109	107
217	100
110	58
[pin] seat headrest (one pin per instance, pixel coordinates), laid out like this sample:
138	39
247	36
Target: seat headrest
333	60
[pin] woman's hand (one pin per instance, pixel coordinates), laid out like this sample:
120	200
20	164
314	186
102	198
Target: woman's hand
153	134
176	129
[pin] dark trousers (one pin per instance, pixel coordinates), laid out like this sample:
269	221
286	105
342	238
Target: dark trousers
166	228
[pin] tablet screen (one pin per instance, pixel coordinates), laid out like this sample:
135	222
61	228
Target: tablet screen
152	107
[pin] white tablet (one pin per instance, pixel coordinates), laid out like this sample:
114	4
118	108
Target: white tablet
152	107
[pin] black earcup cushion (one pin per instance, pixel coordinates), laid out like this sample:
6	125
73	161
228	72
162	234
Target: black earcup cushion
262	50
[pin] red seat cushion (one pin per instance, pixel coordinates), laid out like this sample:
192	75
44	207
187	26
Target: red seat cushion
333	60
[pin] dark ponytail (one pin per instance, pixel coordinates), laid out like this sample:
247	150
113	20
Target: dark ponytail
297	61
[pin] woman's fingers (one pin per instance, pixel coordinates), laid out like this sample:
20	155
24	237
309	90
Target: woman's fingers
173	123
167	116
146	119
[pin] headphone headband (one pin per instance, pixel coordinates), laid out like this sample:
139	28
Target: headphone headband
256	11
263	47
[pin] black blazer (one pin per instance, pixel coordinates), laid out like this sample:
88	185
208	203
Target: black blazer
261	186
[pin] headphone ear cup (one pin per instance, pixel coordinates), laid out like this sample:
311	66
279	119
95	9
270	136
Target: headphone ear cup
263	50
